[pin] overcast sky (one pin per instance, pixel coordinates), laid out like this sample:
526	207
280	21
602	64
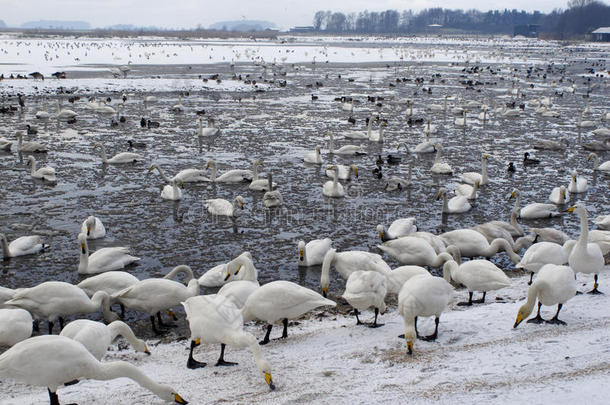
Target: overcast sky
189	13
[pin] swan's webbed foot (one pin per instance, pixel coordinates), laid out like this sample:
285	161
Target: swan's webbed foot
480	300
429	338
556	321
537	320
225	363
465	304
376	325
595	291
194	364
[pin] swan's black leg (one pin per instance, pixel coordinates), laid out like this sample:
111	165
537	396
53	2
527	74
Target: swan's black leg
531	278
221	360
375	324
595	285
555	320
122	311
266	339
469	303
53	398
191	362
50	328
538	318
154	328
285	331
357	319
36	325
435	334
482	300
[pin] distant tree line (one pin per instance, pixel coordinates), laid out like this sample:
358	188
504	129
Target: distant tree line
581	17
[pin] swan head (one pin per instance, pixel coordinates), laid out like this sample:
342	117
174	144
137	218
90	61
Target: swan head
239	200
167	393
574	175
522	314
301	248
484	157
31	160
441	192
354	169
211	163
318	148
514	194
151	168
577	209
82	241
90	222
381	231
592	156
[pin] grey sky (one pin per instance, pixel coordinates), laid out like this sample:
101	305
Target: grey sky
189	13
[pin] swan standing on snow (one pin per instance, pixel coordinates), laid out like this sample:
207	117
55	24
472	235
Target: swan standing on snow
24	245
345	149
281	300
52	361
312	253
555	285
215	319
96	336
333	188
476	275
585	257
55	300
365	289
219	206
272	198
119	158
577	184
93	228
230	176
422	295
104	259
604	167
456	205
45	173
542	253
399	228
313	157
439	167
154	295
474	177
29	147
15	325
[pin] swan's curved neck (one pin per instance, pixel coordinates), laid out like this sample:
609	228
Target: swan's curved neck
502	244
255	170
33	166
369	126
103	152
214	169
445	205
441	258
517	202
437	158
532	294
449	269
329	258
117	328
84	256
5	250
584	229
248	271
175	189
116	369
473	193
163	176
182	269
335	177
101	299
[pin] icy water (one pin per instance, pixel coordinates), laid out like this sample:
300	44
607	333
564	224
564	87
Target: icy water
279	125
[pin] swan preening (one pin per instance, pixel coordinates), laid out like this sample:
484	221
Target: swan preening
219	206
93	228
52	361
312	253
24	245
398	228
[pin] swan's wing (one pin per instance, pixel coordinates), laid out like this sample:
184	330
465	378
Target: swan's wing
24	244
402	227
219	206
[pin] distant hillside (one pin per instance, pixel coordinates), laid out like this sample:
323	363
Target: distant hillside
130	27
2	24
243	25
70	25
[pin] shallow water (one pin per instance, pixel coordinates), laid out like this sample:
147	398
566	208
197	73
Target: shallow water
280	125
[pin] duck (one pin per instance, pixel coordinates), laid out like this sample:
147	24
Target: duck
422	295
313	157
542	253
586	257
345	149
559	195
46	173
511	167
529	161
475	275
63	114
439	167
333	188
104	259
24	245
172	191
272	198
15	325
29	147
186	176
110	282
472	243
230	176
534	210
577	184
398	228
347	262
96	336
473	177
456	205
417	251
602	222
93	228
312	253
554	285
219	206
281	300
52	361
562	144
365	289
119	158
154	295
468	191
54	300
343	172
604	167
216	276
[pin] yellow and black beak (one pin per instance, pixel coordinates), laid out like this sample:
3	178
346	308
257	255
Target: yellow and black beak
94	146
197	341
83	248
356	172
146	351
301	255
238	269
409	347
439	195
181	185
381	235
571	209
88	230
512	195
484	156
151	168
518	320
269	381
179	399
324	291
228	275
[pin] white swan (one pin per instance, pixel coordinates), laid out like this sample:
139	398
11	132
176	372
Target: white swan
51	361
216	276
439	167
119	158
542	253
559	195
154	295
347	262
604	167
215	319
219	206
534	210
43	114
185	176
110	282
577	184
272	198
210	130
422	295
456	205
104	259
467	191
472	243
312	253
63	114
172	191
96	336
400	227
437	243
555	285
417	251
281	300
461	122
491	232
476	275
345	149
313	157
24	245
5	144
365	289
55	299
178	108
377	136
333	188
603	222
46	173
585	257
514	228
93	228
562	144
473	177
15	325
259	184
426	146
550	235
29	147
602	239
230	176
344	172
360	134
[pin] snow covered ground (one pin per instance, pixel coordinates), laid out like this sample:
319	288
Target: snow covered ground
478	358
